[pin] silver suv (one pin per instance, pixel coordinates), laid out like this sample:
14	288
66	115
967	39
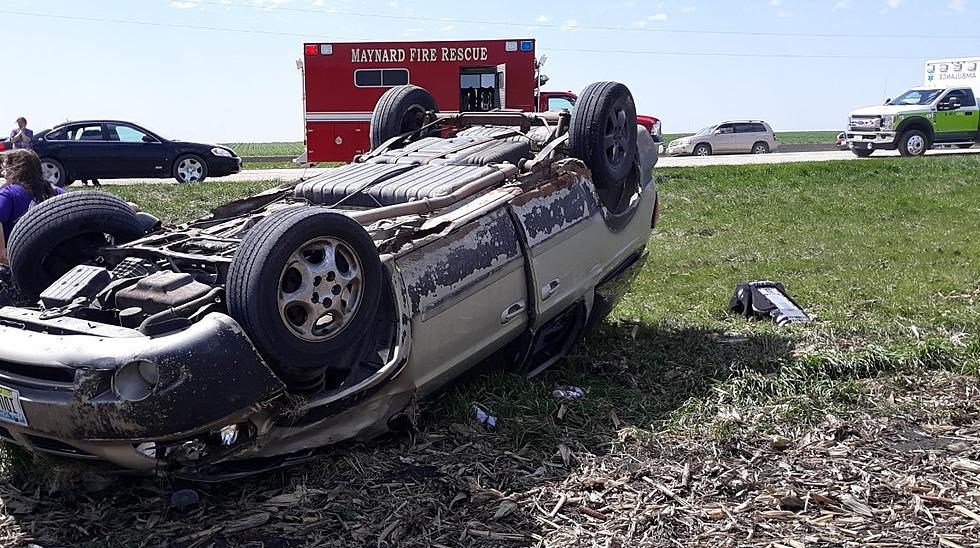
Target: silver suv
730	137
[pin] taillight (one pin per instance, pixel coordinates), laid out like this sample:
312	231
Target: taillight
656	211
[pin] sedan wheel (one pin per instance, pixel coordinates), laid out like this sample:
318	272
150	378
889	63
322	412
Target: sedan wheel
53	172
190	169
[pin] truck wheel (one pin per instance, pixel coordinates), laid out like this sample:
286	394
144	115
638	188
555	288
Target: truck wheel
63	232
603	131
401	110
913	143
305	285
704	149
760	148
862	152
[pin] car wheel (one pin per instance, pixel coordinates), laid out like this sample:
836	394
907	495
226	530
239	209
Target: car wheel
54	172
603	132
190	168
760	148
401	110
305	284
703	149
862	152
965	145
65	231
913	143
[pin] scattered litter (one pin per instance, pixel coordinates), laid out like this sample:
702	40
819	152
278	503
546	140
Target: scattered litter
483	417
568	392
765	299
184	499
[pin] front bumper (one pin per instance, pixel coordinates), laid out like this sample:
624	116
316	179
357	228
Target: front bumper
69	384
680	150
870	140
219	166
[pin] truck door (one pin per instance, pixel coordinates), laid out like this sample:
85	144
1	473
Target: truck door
956	116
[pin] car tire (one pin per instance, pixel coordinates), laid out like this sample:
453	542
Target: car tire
602	132
703	149
54	172
913	143
401	110
862	152
65	231
965	145
275	283
760	148
190	168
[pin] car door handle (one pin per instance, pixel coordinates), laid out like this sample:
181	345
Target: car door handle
969	113
512	312
550	289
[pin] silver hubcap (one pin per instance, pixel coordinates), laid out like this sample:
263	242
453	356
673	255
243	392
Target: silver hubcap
702	151
916	144
190	170
320	289
760	149
51	173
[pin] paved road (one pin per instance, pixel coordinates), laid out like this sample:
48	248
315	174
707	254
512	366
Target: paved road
665	161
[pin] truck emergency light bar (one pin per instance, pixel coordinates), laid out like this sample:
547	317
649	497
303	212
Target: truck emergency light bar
510	45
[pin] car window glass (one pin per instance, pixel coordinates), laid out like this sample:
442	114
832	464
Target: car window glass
85	133
726	129
57	135
557	103
125	134
759	128
965	96
969	100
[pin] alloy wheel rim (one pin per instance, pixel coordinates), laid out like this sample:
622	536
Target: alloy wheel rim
51	173
190	170
320	289
616	136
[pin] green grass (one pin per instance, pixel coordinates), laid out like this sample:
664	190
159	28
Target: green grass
290	148
884	254
784	137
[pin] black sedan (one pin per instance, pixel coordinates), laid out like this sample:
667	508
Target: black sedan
111	149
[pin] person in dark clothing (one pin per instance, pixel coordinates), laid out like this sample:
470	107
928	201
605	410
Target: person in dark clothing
24	188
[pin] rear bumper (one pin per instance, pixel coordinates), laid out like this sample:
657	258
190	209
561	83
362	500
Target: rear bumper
69	386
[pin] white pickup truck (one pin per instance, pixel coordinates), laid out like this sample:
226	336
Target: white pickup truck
943	111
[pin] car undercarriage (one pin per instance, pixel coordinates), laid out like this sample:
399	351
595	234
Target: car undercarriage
319	311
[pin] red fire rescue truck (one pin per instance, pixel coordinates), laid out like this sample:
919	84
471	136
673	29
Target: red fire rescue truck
343	81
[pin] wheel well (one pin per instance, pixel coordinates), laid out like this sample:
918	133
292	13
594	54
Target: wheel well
920	124
760	143
703	144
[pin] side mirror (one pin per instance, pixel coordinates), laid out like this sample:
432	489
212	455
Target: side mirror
148	139
889	100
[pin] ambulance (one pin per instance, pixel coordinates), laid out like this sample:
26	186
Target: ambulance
343	81
941	112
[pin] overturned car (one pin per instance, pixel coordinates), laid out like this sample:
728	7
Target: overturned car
316	312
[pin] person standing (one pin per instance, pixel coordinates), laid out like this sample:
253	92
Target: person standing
21	137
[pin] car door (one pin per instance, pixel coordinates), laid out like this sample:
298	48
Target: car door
134	152
467	291
746	135
723	139
956	116
79	148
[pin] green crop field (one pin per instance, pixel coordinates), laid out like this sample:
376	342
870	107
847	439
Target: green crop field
696	428
291	149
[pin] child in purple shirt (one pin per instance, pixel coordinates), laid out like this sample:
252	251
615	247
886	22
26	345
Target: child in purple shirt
25	187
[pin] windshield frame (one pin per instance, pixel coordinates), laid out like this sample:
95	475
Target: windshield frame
932	94
706	130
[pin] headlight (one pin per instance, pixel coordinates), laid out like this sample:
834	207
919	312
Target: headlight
222	152
887	121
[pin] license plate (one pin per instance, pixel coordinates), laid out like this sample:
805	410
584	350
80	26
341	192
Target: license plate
10	409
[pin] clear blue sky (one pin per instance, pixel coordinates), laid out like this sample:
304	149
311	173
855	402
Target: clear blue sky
224	86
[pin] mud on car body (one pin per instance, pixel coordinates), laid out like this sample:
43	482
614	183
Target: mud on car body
316	312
